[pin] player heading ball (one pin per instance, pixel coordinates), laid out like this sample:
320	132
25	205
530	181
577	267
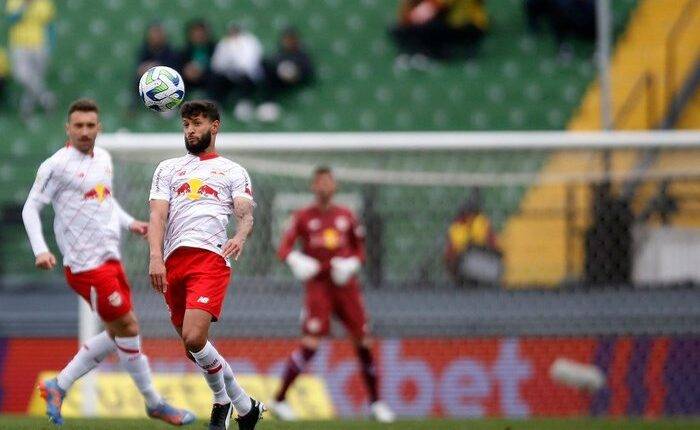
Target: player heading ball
191	200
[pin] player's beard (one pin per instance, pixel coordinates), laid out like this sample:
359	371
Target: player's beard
201	145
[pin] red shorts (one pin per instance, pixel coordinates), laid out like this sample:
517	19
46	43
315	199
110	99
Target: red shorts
105	288
197	279
324	299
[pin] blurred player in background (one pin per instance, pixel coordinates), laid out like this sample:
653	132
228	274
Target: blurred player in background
331	254
77	181
191	200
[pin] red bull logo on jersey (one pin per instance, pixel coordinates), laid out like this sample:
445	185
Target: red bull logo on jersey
195	188
99	192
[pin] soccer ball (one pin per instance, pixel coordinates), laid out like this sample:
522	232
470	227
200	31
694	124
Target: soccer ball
161	88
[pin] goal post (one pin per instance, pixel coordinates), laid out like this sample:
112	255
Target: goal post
557	200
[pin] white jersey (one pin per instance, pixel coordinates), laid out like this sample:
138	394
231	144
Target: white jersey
200	191
87	218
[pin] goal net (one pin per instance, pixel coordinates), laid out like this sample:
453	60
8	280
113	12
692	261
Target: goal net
585	209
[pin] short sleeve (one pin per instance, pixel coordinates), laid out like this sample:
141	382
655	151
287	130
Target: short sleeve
160	187
241	185
46	183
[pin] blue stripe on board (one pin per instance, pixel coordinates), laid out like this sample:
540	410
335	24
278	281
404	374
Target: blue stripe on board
3	356
682	377
636	375
603	358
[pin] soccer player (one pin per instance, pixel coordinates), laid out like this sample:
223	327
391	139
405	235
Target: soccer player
331	254
191	200
77	181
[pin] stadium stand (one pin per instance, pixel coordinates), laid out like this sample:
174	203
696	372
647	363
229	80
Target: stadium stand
509	86
643	90
444	351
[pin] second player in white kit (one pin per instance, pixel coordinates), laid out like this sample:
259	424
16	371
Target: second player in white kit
77	181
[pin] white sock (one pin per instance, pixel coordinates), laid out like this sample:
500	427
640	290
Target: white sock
240	399
87	358
136	363
212	366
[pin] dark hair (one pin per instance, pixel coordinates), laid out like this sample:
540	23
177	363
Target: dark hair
322	170
290	32
197	23
205	108
83	105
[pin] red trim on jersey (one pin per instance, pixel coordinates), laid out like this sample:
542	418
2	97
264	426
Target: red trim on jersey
208	155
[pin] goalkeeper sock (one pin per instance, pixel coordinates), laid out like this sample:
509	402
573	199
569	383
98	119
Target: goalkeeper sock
239	398
369	373
295	365
136	363
96	349
211	364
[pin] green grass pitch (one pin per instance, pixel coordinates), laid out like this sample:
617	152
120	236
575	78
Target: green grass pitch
23	423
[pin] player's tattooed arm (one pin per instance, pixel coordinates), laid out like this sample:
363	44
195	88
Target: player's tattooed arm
243	211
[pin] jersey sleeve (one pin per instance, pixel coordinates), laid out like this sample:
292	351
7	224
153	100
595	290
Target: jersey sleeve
289	237
241	186
42	193
357	237
46	183
160	187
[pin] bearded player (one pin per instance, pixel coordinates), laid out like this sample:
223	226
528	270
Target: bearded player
192	198
332	251
77	181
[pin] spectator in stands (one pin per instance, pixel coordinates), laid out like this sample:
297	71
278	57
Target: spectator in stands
196	57
440	29
664	204
536	12
31	36
471	233
568	19
237	67
156	50
4	73
291	67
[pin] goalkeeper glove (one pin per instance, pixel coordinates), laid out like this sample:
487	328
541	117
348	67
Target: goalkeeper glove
342	269
303	267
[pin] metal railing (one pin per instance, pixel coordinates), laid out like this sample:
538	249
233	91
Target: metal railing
670	66
644	87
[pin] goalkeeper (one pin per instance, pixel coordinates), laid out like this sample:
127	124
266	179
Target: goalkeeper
332	250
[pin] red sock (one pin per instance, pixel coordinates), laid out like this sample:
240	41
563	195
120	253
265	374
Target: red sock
295	365
369	373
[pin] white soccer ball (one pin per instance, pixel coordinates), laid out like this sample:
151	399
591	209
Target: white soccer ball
161	88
